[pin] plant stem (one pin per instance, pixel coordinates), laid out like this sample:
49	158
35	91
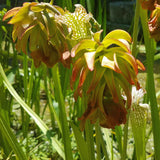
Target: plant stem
90	5
90	140
63	119
88	131
125	137
69	5
104	145
50	104
149	44
55	143
135	28
25	119
98	144
118	134
104	23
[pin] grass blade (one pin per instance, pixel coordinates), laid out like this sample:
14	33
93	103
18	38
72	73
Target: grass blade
104	22
81	144
108	141
38	121
151	93
90	5
103	144
56	144
98	142
118	135
135	28
63	116
11	139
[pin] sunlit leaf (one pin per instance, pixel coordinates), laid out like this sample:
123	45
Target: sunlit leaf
22	14
87	45
97	36
140	65
109	42
112	64
37	8
11	13
118	34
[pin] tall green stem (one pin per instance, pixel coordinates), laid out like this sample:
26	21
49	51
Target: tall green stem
50	104
98	141
103	144
125	137
149	44
135	28
63	116
90	140
55	143
88	131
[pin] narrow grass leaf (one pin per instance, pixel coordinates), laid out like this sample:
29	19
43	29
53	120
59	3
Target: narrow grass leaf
98	142
81	144
90	5
63	119
151	93
104	23
57	145
108	140
118	131
11	139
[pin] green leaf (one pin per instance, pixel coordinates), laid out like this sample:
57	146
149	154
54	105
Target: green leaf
11	139
118	34
42	27
62	111
106	134
87	44
56	144
127	57
97	75
37	8
109	77
97	36
11	13
111	41
21	15
33	38
50	24
124	67
81	144
120	80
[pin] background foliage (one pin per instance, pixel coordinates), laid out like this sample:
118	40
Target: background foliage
30	99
